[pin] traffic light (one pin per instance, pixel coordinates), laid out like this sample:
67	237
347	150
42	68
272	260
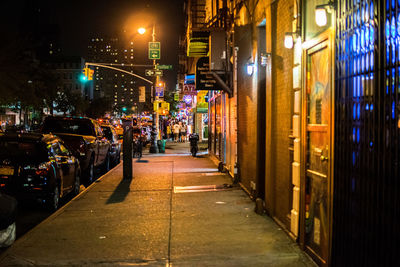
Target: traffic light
90	74
85	74
134	121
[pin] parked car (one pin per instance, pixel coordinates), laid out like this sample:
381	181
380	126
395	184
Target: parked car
37	166
86	138
120	132
115	149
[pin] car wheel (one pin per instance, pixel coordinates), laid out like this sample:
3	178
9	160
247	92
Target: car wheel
54	199
77	184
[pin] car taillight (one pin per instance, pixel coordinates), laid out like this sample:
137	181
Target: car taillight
43	168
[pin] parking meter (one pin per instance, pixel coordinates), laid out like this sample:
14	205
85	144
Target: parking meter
127	148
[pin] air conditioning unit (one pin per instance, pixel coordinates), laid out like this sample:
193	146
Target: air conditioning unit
217	50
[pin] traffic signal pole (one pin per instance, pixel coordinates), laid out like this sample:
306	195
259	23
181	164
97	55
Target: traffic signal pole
154	132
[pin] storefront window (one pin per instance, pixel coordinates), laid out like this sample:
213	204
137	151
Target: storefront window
212	127
218	132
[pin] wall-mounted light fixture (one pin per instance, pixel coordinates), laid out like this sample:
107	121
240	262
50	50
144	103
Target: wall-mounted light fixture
320	13
250	68
289	39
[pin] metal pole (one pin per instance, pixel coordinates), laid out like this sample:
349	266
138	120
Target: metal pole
154	133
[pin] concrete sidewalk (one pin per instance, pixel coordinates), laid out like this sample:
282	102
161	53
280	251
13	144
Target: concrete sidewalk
159	218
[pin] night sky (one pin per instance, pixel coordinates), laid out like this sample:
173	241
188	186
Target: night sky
79	21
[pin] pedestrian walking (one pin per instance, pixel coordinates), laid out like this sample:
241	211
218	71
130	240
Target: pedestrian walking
177	128
169	132
183	132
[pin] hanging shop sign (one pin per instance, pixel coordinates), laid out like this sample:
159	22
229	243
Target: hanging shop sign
202	101
204	80
176	96
189	89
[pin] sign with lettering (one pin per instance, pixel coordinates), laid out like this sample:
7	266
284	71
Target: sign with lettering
154	50
204	80
142	94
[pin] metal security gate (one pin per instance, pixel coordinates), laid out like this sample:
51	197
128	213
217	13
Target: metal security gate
366	201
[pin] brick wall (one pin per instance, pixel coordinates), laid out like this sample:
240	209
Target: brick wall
282	110
247	111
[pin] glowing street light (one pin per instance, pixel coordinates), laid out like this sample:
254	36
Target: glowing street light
141	30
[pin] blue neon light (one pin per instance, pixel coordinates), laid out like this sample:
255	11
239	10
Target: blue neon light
393	75
393	28
358	111
393	110
367	107
371	37
387	51
371	11
354	87
387	29
398	24
362	39
358	135
387	81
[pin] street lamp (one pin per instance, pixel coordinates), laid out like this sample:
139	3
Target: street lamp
154	134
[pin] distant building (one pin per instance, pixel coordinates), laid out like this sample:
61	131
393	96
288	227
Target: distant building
120	88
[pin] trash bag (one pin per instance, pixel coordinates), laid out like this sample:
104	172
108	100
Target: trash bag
8	215
7	236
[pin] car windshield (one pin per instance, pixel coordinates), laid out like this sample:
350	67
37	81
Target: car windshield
107	132
22	151
81	127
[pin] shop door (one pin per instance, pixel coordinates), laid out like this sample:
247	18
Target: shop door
317	218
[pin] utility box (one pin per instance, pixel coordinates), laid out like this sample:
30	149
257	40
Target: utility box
217	55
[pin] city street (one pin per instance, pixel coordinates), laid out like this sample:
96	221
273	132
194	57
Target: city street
177	210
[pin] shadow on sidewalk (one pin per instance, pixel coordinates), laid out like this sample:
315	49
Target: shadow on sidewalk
120	192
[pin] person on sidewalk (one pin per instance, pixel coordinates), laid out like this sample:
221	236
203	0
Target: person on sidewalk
169	132
177	129
183	132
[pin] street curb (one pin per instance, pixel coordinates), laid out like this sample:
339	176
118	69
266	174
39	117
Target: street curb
58	212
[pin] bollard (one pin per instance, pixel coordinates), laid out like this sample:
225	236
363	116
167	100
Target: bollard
127	148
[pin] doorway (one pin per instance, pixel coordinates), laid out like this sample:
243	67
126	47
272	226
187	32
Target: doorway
317	152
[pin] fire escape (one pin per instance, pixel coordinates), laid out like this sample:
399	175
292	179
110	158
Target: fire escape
206	36
197	32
